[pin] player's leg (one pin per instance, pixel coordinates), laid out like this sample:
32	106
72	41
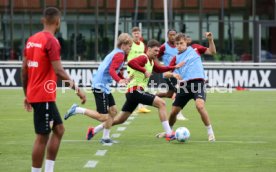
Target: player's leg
107	106
150	99
200	106
200	97
99	99
121	118
181	99
55	138
129	106
39	151
42	129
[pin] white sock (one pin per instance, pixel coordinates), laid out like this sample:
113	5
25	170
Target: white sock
49	165
80	110
166	127
98	128
36	169
210	129
106	133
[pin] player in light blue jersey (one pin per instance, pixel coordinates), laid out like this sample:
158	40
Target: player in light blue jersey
166	52
106	73
191	83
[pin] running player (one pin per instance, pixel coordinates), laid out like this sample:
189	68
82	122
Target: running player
40	68
107	71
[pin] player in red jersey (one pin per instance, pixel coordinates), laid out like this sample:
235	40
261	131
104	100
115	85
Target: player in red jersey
40	69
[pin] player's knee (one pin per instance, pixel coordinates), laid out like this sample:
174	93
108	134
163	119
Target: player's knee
174	112
161	103
59	130
200	106
103	118
113	112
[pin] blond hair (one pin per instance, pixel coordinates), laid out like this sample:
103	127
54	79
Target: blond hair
124	38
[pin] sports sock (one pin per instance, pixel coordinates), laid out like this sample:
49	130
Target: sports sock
98	128
209	129
166	127
36	169
80	110
49	165
106	133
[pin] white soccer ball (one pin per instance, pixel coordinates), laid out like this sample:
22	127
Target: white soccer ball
182	134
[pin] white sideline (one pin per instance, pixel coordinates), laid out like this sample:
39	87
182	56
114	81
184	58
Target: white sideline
100	152
121	128
90	164
230	141
115	135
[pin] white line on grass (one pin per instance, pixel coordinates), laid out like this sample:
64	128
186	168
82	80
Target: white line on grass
100	152
115	135
126	123
90	164
131	118
121	128
230	141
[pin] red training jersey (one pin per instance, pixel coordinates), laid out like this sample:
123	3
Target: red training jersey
40	50
199	48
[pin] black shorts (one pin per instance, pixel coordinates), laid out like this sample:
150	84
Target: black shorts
46	116
103	101
171	82
136	97
190	90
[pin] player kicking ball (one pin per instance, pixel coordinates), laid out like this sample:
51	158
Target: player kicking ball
191	80
143	66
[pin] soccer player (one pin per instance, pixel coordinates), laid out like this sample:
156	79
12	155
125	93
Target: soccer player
108	70
166	53
137	48
191	77
40	68
143	66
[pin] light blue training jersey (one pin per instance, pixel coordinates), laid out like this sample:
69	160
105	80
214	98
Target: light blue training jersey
102	79
169	53
193	67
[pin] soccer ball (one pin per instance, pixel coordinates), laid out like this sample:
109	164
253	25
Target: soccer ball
182	134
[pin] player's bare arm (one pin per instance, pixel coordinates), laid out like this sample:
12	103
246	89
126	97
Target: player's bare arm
212	48
24	78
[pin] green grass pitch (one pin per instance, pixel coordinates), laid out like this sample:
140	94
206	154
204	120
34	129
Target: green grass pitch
244	124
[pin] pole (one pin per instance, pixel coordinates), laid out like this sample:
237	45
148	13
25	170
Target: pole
117	22
166	18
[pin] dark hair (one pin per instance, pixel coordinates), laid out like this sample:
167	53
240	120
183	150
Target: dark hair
135	29
180	36
171	30
50	14
153	43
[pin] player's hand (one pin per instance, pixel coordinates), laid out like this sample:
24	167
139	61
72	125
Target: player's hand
147	74
177	76
82	96
27	105
179	65
123	82
130	78
209	35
